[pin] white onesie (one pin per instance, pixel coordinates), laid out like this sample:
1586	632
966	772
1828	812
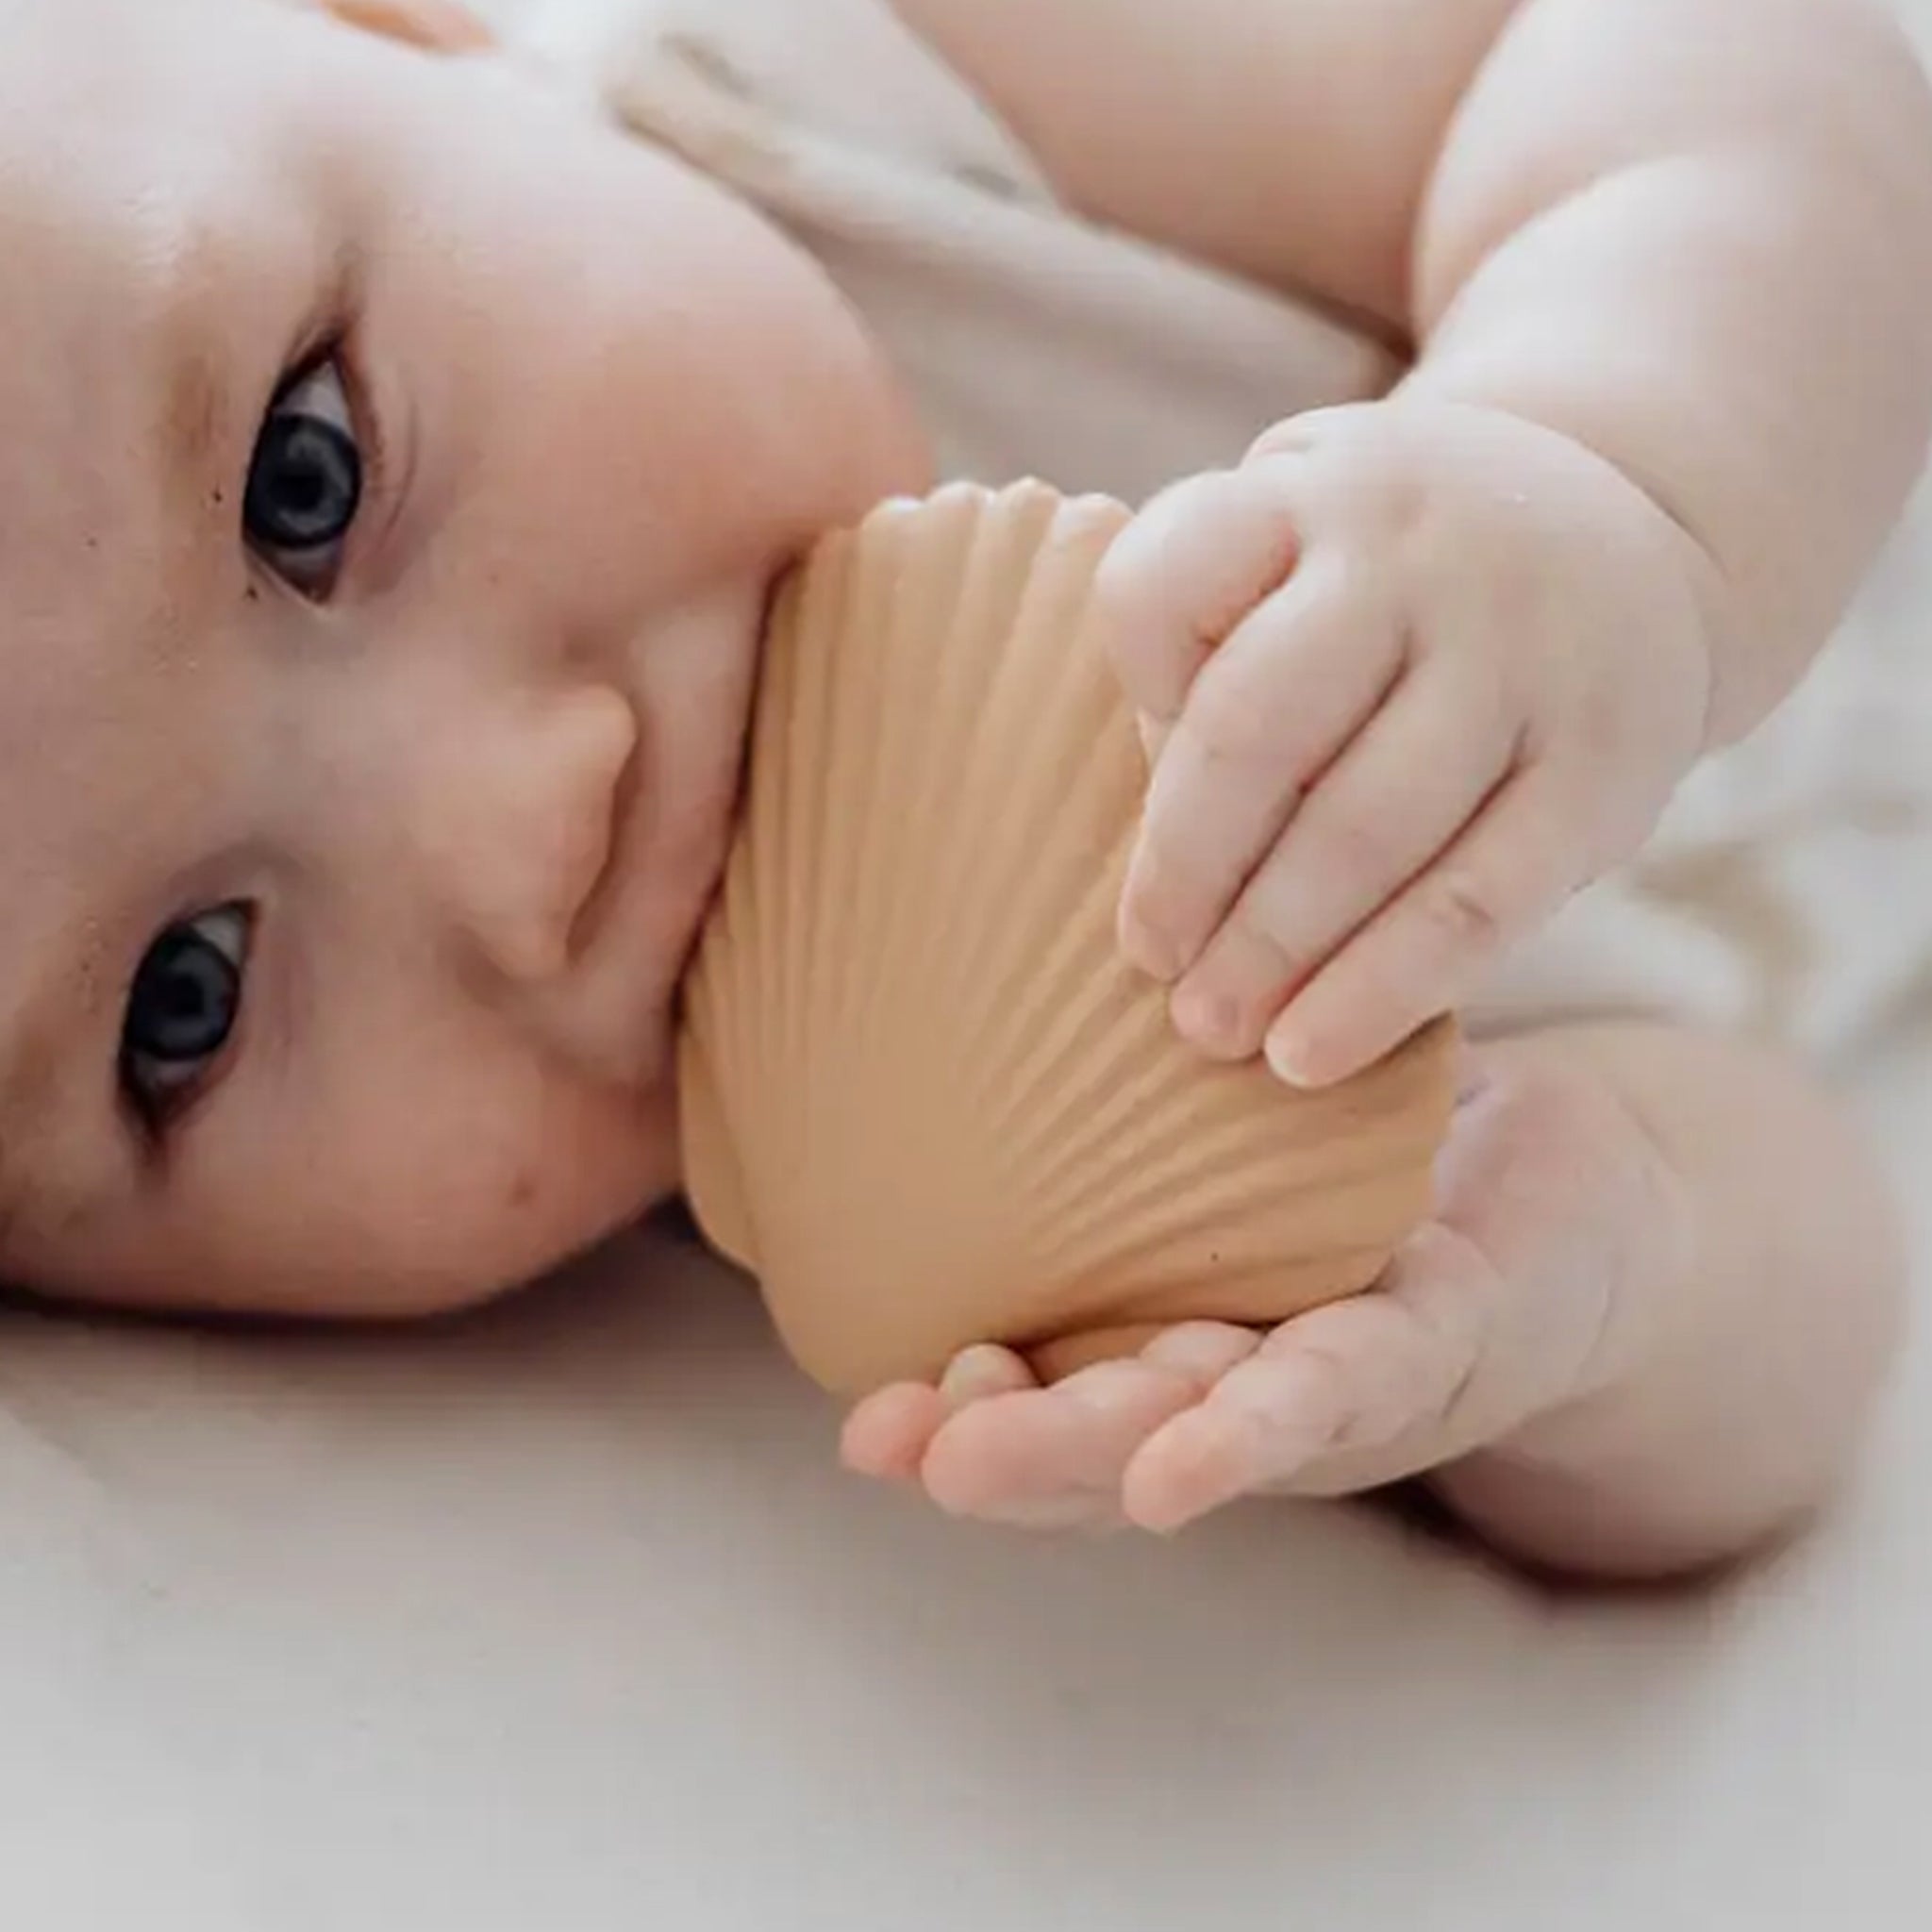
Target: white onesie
1789	889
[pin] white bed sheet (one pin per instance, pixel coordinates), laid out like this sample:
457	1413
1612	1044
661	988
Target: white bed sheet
561	1621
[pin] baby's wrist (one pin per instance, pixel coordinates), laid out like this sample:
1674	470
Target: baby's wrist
1487	450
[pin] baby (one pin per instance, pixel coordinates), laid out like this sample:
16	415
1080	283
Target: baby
398	459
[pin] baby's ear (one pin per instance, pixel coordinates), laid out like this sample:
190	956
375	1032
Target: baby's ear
441	26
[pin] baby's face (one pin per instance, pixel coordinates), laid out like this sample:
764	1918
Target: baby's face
392	469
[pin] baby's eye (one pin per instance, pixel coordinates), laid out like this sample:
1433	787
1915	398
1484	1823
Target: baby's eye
305	481
182	1010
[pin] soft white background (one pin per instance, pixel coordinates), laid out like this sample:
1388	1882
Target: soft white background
561	1622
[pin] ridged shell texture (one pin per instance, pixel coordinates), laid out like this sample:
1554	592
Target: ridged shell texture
924	1101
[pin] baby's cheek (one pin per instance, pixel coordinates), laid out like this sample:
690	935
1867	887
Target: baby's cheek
426	1210
586	1167
393	1198
547	1207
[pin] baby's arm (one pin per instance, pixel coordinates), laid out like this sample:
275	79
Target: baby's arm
1642	1335
1693	236
1666	268
1735	1380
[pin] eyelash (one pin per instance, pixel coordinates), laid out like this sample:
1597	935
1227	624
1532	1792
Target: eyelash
159	1105
158	1087
332	354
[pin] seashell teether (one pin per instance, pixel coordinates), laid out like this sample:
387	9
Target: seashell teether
924	1100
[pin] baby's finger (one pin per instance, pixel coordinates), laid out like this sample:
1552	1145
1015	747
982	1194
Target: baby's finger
1296	680
885	1436
1402	792
976	1375
1181	576
888	1434
1514	865
1053	1456
1370	1386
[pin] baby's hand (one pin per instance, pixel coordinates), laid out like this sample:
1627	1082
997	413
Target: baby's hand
1560	1223
1410	677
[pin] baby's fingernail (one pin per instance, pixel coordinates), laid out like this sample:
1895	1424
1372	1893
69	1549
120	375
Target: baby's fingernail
976	1375
1149	949
1191	1011
1294	1062
1301	1056
1211	1021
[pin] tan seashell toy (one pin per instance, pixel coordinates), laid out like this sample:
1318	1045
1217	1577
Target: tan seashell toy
924	1101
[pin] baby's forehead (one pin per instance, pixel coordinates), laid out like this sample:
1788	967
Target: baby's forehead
106	310
146	86
59	51
136	173
151	257
96	125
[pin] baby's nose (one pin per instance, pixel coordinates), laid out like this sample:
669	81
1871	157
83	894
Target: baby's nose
516	826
